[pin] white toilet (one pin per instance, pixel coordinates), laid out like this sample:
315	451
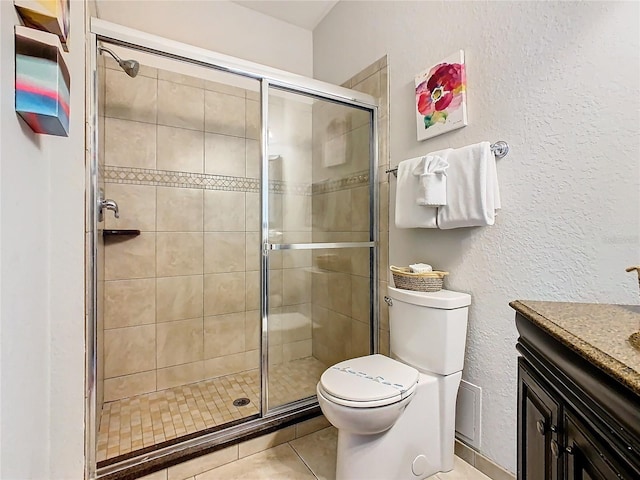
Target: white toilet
396	418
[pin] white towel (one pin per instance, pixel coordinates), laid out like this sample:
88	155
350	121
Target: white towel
432	189
421	268
472	188
408	213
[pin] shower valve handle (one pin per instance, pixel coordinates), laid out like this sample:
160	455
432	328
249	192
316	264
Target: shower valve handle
106	204
110	205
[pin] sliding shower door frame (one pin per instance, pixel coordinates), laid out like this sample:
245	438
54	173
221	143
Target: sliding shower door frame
91	331
267	246
269	77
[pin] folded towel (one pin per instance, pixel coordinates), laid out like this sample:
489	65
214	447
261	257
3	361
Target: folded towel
472	188
421	268
408	213
435	162
432	189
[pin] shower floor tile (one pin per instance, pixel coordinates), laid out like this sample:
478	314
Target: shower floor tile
294	380
146	420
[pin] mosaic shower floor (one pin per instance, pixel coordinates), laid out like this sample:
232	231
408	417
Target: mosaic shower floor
146	420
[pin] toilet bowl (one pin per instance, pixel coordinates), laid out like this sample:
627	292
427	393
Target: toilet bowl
363	421
396	416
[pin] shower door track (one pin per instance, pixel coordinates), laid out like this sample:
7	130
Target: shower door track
269	419
128	37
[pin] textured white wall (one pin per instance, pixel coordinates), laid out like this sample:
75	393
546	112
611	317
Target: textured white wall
220	26
559	82
41	278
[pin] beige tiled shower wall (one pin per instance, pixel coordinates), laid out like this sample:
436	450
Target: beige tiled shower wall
341	285
182	299
374	80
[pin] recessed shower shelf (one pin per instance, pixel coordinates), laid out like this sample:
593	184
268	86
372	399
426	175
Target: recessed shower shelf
120	233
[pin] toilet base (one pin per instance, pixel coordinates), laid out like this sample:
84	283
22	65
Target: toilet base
417	446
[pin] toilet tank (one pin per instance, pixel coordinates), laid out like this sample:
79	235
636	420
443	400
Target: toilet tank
429	329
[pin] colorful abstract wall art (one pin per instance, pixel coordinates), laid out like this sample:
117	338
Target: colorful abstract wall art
441	97
48	15
42	82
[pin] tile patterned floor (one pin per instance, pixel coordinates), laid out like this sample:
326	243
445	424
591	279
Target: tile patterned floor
310	457
146	420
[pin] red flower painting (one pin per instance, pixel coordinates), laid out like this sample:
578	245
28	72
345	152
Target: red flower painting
439	93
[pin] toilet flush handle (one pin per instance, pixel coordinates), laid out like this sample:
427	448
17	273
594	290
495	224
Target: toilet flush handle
389	301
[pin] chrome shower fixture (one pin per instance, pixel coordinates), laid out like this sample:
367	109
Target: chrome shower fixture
130	67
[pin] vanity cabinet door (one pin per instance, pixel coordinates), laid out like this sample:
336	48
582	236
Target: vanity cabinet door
589	459
538	417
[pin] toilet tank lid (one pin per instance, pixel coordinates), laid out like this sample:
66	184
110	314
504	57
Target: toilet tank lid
444	299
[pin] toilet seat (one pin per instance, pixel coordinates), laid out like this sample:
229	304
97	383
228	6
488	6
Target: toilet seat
366	382
356	404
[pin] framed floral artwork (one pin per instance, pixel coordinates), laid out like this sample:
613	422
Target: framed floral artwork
441	97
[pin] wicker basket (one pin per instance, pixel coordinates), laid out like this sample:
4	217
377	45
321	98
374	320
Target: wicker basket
404	278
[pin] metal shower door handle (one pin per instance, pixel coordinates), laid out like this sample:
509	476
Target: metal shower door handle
106	204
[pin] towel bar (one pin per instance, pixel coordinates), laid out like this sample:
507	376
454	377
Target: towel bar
499	149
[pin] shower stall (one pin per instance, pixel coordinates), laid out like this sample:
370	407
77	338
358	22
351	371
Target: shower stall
232	237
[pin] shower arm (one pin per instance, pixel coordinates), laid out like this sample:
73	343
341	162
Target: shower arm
115	57
130	67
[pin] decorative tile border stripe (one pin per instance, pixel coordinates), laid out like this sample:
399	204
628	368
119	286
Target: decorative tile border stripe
203	181
278	186
167	178
354	180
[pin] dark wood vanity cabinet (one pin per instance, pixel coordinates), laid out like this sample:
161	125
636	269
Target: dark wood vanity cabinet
574	421
586	457
538	420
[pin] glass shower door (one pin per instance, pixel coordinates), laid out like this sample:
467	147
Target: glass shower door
242	263
320	241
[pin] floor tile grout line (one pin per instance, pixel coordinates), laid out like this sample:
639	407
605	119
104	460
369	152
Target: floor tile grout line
303	460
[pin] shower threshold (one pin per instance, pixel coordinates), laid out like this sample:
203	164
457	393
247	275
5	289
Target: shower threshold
144	422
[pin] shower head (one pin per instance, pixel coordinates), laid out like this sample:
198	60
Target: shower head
130	67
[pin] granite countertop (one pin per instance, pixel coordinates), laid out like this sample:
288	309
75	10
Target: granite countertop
598	332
